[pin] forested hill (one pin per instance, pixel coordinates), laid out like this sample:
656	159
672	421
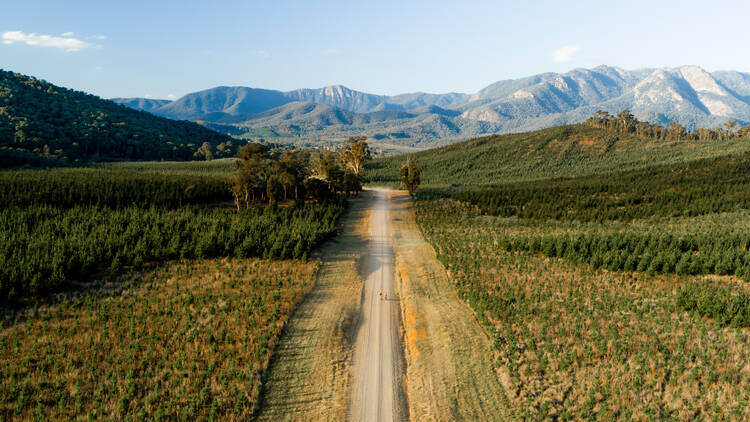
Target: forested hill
563	151
43	124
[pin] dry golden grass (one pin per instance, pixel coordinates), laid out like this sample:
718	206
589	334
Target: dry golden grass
188	340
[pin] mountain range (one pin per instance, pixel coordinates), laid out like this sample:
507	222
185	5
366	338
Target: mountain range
689	95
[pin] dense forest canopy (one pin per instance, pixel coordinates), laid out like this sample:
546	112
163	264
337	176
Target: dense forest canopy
43	124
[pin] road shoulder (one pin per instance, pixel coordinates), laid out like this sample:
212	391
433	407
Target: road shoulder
310	376
449	374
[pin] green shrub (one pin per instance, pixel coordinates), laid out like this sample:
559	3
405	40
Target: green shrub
727	305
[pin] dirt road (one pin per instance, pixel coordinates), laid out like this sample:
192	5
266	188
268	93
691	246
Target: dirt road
377	393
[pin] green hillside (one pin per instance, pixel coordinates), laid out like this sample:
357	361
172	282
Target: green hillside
563	151
43	124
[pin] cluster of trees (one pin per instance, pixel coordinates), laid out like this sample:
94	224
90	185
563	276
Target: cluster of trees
625	122
42	124
44	247
265	176
726	304
694	188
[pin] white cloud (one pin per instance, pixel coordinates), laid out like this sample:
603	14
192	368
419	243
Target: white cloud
565	54
66	43
148	96
171	97
100	37
263	53
67	34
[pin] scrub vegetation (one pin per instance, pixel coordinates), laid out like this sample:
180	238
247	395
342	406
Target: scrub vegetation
61	226
135	291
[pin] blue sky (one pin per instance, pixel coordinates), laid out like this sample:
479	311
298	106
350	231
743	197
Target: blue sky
169	48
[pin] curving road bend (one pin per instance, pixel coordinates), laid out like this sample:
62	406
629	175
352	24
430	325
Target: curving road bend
377	394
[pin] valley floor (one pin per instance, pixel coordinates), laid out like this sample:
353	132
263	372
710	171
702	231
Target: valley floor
486	333
346	353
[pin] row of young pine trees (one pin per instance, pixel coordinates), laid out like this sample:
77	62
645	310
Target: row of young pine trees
270	177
